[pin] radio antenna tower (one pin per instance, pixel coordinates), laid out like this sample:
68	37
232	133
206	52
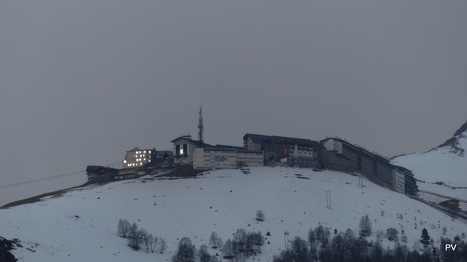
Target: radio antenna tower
200	125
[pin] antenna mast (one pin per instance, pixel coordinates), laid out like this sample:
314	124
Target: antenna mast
200	125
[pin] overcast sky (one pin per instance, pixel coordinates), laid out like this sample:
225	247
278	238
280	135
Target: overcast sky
82	82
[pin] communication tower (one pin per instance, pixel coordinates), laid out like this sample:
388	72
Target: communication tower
200	125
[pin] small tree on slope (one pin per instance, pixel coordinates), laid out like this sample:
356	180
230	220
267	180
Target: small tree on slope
123	227
365	226
425	239
185	251
260	215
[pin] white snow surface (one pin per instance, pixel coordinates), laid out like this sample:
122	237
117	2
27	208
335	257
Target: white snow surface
440	165
81	225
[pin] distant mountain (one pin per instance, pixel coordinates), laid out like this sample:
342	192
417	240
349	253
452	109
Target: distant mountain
453	142
443	169
81	224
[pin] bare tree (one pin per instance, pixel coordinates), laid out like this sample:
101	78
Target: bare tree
162	245
215	241
123	227
135	236
227	249
143	236
259	215
152	243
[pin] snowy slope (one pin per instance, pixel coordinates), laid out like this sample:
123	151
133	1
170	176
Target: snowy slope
81	225
446	164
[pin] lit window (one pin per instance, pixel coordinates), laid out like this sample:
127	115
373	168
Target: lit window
181	151
124	161
144	151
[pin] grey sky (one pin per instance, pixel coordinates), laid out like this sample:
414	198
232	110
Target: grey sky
81	82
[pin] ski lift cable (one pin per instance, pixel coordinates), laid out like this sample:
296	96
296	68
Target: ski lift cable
48	178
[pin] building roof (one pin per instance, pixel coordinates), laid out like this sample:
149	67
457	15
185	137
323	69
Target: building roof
188	139
229	147
357	147
139	149
93	169
98	169
269	142
219	149
402	169
249	151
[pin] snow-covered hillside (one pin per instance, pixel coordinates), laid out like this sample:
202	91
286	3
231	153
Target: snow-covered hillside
446	164
81	225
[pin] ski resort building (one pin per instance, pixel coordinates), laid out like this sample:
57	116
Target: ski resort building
341	155
138	157
286	150
399	180
184	147
249	158
101	173
225	158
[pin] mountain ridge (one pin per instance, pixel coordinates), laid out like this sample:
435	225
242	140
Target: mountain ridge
453	142
442	169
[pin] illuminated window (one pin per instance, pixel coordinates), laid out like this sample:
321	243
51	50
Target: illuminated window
181	151
124	161
144	151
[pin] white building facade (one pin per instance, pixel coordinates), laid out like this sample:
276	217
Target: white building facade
225	158
137	157
183	149
250	158
399	181
332	144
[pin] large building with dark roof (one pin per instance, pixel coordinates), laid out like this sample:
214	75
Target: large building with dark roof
340	155
287	150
